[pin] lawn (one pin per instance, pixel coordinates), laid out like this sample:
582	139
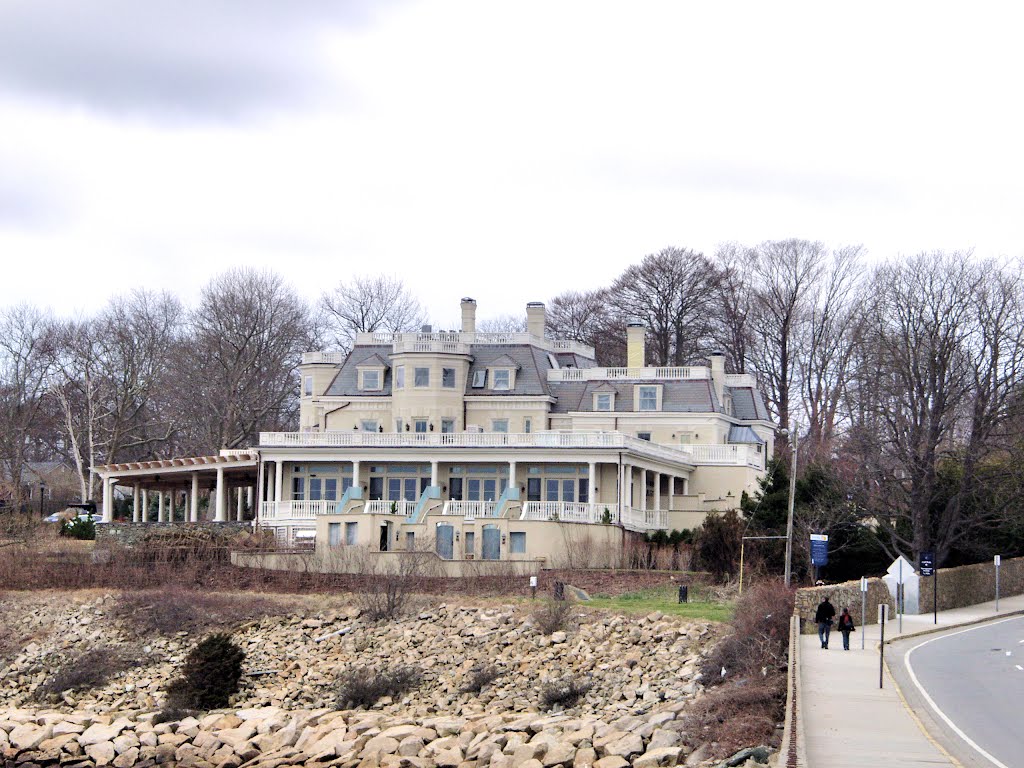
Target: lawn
666	600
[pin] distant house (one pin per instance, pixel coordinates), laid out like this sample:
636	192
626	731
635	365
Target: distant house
486	445
53	481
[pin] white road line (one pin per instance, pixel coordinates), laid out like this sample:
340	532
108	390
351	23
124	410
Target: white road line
931	702
1019	667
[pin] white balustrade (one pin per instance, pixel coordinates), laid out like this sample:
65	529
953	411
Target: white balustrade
329	358
740	455
383	507
605	374
470	509
644	519
295	510
569	511
441	341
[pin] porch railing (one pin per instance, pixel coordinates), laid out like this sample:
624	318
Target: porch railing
569	511
382	507
470	509
644	519
295	510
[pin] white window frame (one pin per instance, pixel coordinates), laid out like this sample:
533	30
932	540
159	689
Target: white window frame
502	422
369	425
416	377
597	401
365	385
517	542
307	386
479	379
494	379
444	382
527	425
639	396
446	423
400	377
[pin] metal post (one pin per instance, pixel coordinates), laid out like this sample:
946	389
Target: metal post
863	608
935	596
883	609
899	593
743	543
997	561
792	493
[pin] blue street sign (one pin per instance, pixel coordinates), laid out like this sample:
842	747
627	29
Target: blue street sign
819	549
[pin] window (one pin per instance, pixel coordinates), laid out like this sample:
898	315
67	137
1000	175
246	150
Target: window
499	425
479	379
447	426
298	489
603	401
400	377
448	378
517	542
371	379
686	438
644	436
501	378
647	398
421	377
368	425
410	540
307	386
398	425
351	533
527	425
334	534
420	425
470	544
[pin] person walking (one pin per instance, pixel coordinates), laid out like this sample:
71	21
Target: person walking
823	617
845	626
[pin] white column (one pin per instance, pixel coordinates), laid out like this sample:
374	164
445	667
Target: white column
671	490
355	472
108	499
512	475
160	507
238	504
279	480
643	489
657	490
592	479
145	505
221	514
193	512
433	474
135	503
248	496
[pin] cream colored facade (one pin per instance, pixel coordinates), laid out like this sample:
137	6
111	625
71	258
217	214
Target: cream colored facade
483	446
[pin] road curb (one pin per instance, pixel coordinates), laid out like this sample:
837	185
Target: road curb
935	629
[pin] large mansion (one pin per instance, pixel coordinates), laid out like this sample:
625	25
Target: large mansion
483	446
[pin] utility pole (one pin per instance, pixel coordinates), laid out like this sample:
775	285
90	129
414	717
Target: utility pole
792	493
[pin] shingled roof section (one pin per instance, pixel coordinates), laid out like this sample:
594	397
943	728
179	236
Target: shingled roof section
747	404
531	375
346	382
689	396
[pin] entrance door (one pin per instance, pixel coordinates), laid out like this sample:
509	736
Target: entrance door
376	488
384	538
491	549
445	541
533	489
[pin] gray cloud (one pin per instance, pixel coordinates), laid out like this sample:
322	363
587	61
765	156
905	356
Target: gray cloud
216	59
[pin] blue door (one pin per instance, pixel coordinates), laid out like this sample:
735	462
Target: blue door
491	544
445	541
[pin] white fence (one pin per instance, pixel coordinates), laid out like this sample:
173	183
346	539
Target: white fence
470	509
382	507
644	519
570	511
295	510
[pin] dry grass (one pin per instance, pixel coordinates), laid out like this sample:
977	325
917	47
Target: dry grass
364	686
564	692
554	616
738	714
85	671
172	609
480	677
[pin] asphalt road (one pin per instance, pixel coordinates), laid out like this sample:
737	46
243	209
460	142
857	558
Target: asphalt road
967	686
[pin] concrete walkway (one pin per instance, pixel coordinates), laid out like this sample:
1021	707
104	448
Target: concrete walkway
847	720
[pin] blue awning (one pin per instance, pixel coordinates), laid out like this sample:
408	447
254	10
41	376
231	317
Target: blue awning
744	435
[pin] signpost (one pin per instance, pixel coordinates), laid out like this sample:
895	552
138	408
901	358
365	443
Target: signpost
819	551
997	561
863	607
928	569
899	597
883	612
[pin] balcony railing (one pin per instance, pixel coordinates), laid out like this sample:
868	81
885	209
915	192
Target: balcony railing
406	342
570	511
726	455
382	507
471	509
295	510
326	358
644	519
625	374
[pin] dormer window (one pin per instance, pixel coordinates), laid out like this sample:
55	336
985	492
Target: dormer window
479	379
370	379
648	397
604	401
501	378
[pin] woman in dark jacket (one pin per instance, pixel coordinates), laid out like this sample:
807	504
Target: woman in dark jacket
846	627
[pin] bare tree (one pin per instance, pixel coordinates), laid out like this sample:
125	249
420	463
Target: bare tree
502	324
25	368
673	292
238	368
731	322
366	303
590	318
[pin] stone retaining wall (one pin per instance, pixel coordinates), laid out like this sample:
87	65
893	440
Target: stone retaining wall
130	534
845	595
972	584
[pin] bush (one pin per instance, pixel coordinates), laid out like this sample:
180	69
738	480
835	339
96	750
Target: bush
553	615
480	677
737	715
82	528
717	544
172	609
83	672
387	596
364	687
212	672
564	692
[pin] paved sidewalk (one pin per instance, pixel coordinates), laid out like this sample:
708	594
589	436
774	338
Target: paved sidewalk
847	720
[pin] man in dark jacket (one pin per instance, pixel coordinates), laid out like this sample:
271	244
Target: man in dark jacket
823	616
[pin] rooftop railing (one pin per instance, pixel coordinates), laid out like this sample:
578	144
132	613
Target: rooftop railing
457	341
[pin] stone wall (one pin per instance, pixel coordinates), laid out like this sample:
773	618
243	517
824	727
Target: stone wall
973	584
845	595
364	561
130	534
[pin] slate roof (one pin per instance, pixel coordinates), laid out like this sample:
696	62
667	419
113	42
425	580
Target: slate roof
747	404
346	382
689	396
743	434
531	376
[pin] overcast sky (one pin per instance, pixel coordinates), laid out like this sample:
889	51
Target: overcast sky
503	150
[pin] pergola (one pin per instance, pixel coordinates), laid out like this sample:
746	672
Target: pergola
229	472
